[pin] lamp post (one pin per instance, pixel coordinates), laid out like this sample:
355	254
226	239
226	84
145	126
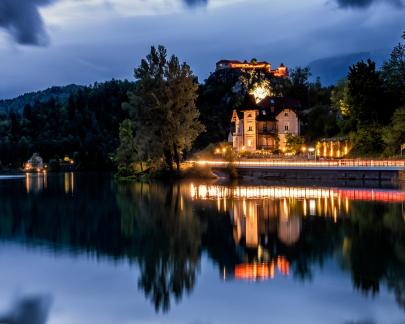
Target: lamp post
312	149
303	149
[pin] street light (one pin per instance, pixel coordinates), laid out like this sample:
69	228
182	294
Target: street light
312	150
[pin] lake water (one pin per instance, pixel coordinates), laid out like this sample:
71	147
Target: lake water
86	249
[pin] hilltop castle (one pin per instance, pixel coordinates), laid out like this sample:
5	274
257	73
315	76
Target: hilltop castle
281	71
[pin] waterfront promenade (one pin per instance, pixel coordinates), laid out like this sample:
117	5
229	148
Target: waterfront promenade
347	169
343	164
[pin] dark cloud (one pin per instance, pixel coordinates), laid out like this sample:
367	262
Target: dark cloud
367	3
21	18
29	310
195	3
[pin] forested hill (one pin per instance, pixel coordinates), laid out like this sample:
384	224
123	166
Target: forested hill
59	94
83	124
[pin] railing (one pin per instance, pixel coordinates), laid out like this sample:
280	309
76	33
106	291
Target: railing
305	163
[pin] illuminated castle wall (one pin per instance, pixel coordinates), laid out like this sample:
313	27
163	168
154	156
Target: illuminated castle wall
281	71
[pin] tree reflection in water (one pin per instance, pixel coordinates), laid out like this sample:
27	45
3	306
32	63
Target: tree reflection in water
250	234
166	237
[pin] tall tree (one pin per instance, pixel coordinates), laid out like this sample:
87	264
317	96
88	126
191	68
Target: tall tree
366	94
163	107
298	85
393	74
126	152
394	134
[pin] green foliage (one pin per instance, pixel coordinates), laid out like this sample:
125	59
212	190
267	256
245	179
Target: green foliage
294	143
298	84
367	140
85	127
367	101
366	94
394	133
319	122
126	153
393	73
340	98
60	94
309	94
163	108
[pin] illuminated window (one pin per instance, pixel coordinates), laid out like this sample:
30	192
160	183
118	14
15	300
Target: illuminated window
249	142
264	112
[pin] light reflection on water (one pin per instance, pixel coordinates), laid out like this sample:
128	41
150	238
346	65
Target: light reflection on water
247	233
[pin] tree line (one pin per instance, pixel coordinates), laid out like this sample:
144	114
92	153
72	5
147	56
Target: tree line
84	127
371	105
155	121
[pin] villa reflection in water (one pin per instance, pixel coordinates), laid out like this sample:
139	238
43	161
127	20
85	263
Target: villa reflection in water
259	214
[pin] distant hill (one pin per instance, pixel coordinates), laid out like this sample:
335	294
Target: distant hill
60	94
332	69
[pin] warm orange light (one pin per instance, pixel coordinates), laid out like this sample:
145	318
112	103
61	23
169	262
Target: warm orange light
255	271
283	265
256	192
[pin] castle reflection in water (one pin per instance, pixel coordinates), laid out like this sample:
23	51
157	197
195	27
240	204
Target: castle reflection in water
263	217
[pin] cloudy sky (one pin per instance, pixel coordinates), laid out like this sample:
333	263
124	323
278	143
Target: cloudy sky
57	42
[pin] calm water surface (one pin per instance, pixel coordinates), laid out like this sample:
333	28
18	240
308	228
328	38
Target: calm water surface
86	249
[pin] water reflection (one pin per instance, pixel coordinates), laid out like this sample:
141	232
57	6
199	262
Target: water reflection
249	233
36	182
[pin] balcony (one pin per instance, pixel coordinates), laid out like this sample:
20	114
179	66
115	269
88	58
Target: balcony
268	131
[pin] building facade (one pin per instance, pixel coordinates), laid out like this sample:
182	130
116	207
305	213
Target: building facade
264	125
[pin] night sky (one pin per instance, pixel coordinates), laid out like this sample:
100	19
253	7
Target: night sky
57	42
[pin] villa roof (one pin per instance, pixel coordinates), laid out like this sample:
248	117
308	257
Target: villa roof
280	103
249	103
269	108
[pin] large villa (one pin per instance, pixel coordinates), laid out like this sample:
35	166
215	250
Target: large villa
262	123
